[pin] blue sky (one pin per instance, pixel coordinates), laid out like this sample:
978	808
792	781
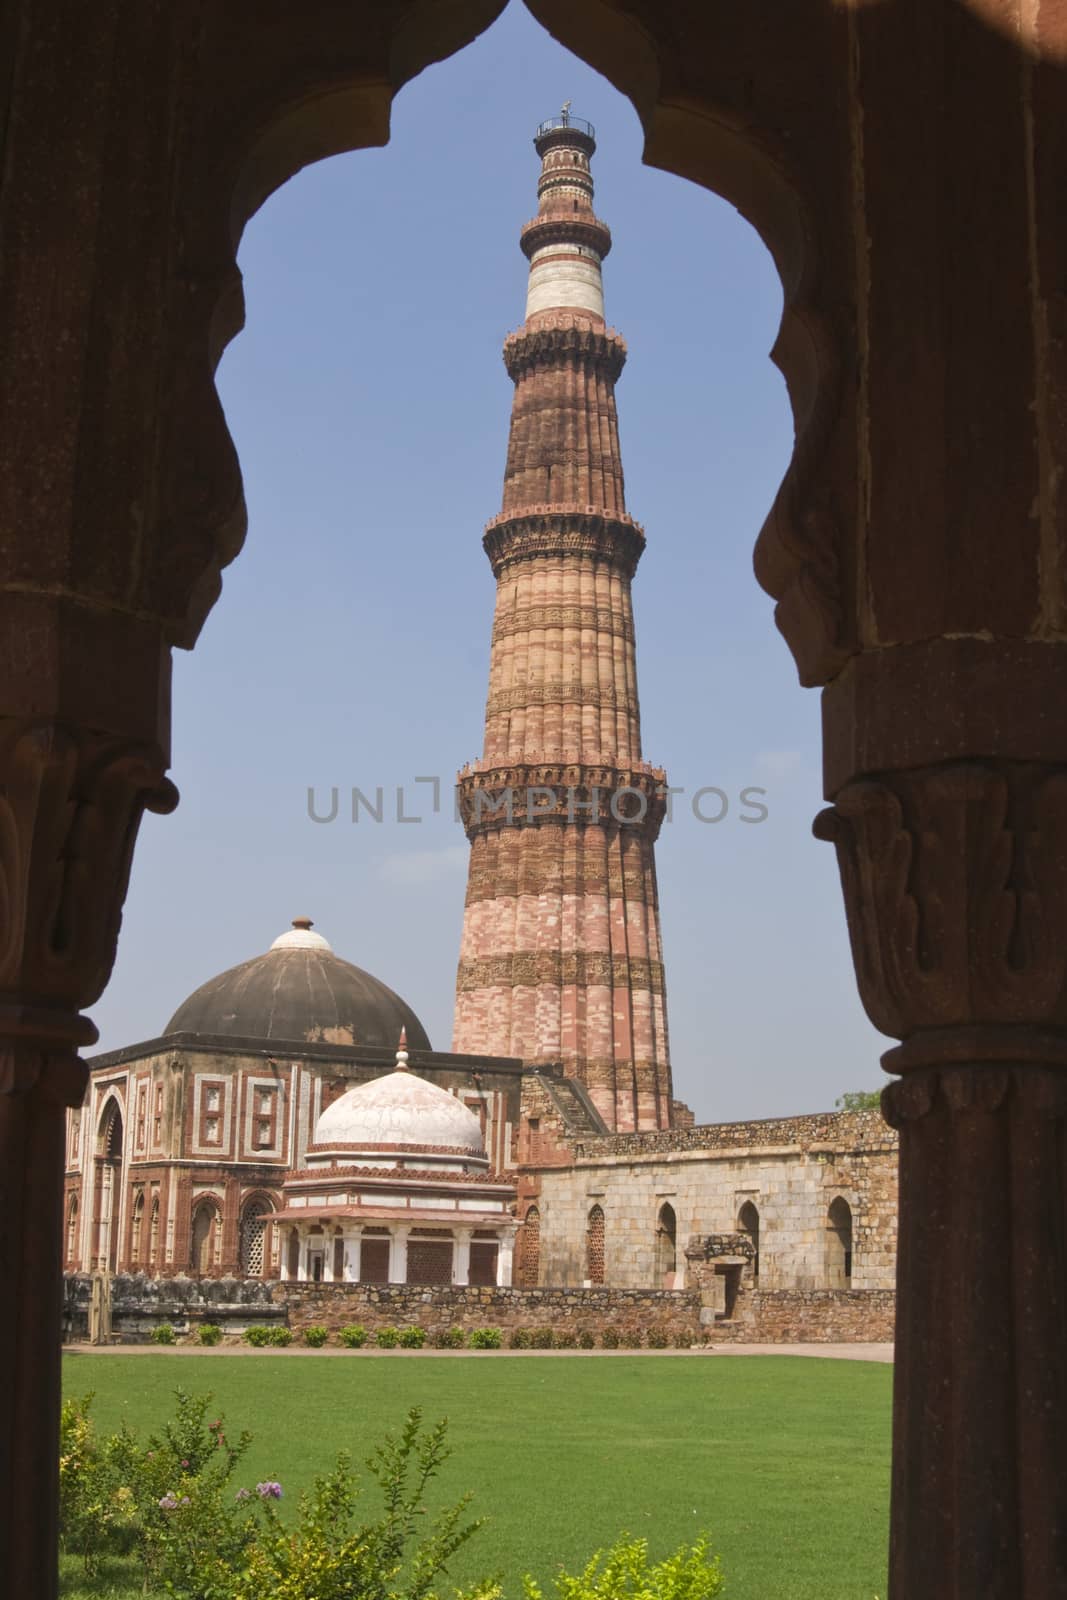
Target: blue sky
350	647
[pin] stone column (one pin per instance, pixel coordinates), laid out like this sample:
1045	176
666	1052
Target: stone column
461	1261
398	1255
955	880
353	1255
504	1259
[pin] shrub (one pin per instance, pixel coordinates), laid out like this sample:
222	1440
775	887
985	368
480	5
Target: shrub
519	1339
624	1573
657	1338
316	1336
541	1339
209	1333
412	1338
586	1340
610	1339
353	1337
631	1338
279	1337
565	1339
387	1338
257	1336
683	1340
486	1339
163	1333
450	1338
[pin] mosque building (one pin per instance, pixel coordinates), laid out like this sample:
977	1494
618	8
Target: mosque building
293	1122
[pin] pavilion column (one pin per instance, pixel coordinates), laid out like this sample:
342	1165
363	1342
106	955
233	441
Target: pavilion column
353	1254
505	1258
461	1264
398	1255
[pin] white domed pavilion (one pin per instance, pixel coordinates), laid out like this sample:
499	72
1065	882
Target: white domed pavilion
397	1188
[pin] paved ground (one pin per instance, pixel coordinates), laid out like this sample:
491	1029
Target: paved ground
833	1352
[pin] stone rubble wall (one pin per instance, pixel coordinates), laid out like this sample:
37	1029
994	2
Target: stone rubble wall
333	1305
811	1316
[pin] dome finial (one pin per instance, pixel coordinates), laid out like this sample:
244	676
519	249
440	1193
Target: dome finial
303	922
402	1051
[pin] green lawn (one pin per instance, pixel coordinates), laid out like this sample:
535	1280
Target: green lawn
785	1461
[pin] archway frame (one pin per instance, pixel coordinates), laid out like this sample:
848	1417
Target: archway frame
155	131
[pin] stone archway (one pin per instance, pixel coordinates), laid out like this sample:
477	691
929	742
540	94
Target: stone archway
107	1188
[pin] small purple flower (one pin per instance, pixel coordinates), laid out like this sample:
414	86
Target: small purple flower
243	1494
269	1490
185	1463
169	1502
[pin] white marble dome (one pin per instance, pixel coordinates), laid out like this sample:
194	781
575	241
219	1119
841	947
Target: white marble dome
399	1116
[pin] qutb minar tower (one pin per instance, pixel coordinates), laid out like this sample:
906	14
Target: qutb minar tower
561	957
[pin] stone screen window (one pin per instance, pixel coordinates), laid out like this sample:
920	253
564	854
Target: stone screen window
594	1246
157	1117
75	1135
142	1114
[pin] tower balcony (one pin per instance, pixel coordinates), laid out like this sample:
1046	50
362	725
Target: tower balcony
565	129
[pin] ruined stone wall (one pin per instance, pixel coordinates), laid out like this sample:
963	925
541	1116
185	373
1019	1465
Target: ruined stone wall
140	1303
811	1316
790	1169
333	1305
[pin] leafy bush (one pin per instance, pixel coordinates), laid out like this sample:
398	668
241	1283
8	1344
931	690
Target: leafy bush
657	1338
279	1336
209	1333
519	1339
257	1336
610	1339
631	1339
542	1339
624	1573
387	1338
565	1339
163	1333
353	1336
450	1338
412	1338
683	1340
316	1336
486	1339
586	1340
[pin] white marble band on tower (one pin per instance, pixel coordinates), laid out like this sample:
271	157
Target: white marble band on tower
565	277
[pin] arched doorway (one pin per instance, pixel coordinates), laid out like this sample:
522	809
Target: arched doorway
839	1244
666	1247
206	1237
107	1188
72	1232
748	1223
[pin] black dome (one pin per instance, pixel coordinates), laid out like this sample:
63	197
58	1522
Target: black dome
300	991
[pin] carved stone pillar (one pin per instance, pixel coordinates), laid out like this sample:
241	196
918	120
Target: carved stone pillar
70	805
955	882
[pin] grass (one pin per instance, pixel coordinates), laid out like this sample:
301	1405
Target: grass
785	1461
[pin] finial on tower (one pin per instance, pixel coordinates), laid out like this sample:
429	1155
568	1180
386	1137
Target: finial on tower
402	1051
565	113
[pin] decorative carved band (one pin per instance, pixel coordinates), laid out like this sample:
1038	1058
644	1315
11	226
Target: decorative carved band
588	231
1041	1092
599	619
546	342
569	532
577	968
955	885
70	807
560	691
521	796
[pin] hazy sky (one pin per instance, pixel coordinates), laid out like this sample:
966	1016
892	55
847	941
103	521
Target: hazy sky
350	647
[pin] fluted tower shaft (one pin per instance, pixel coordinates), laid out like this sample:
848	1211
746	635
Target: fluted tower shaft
561	957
